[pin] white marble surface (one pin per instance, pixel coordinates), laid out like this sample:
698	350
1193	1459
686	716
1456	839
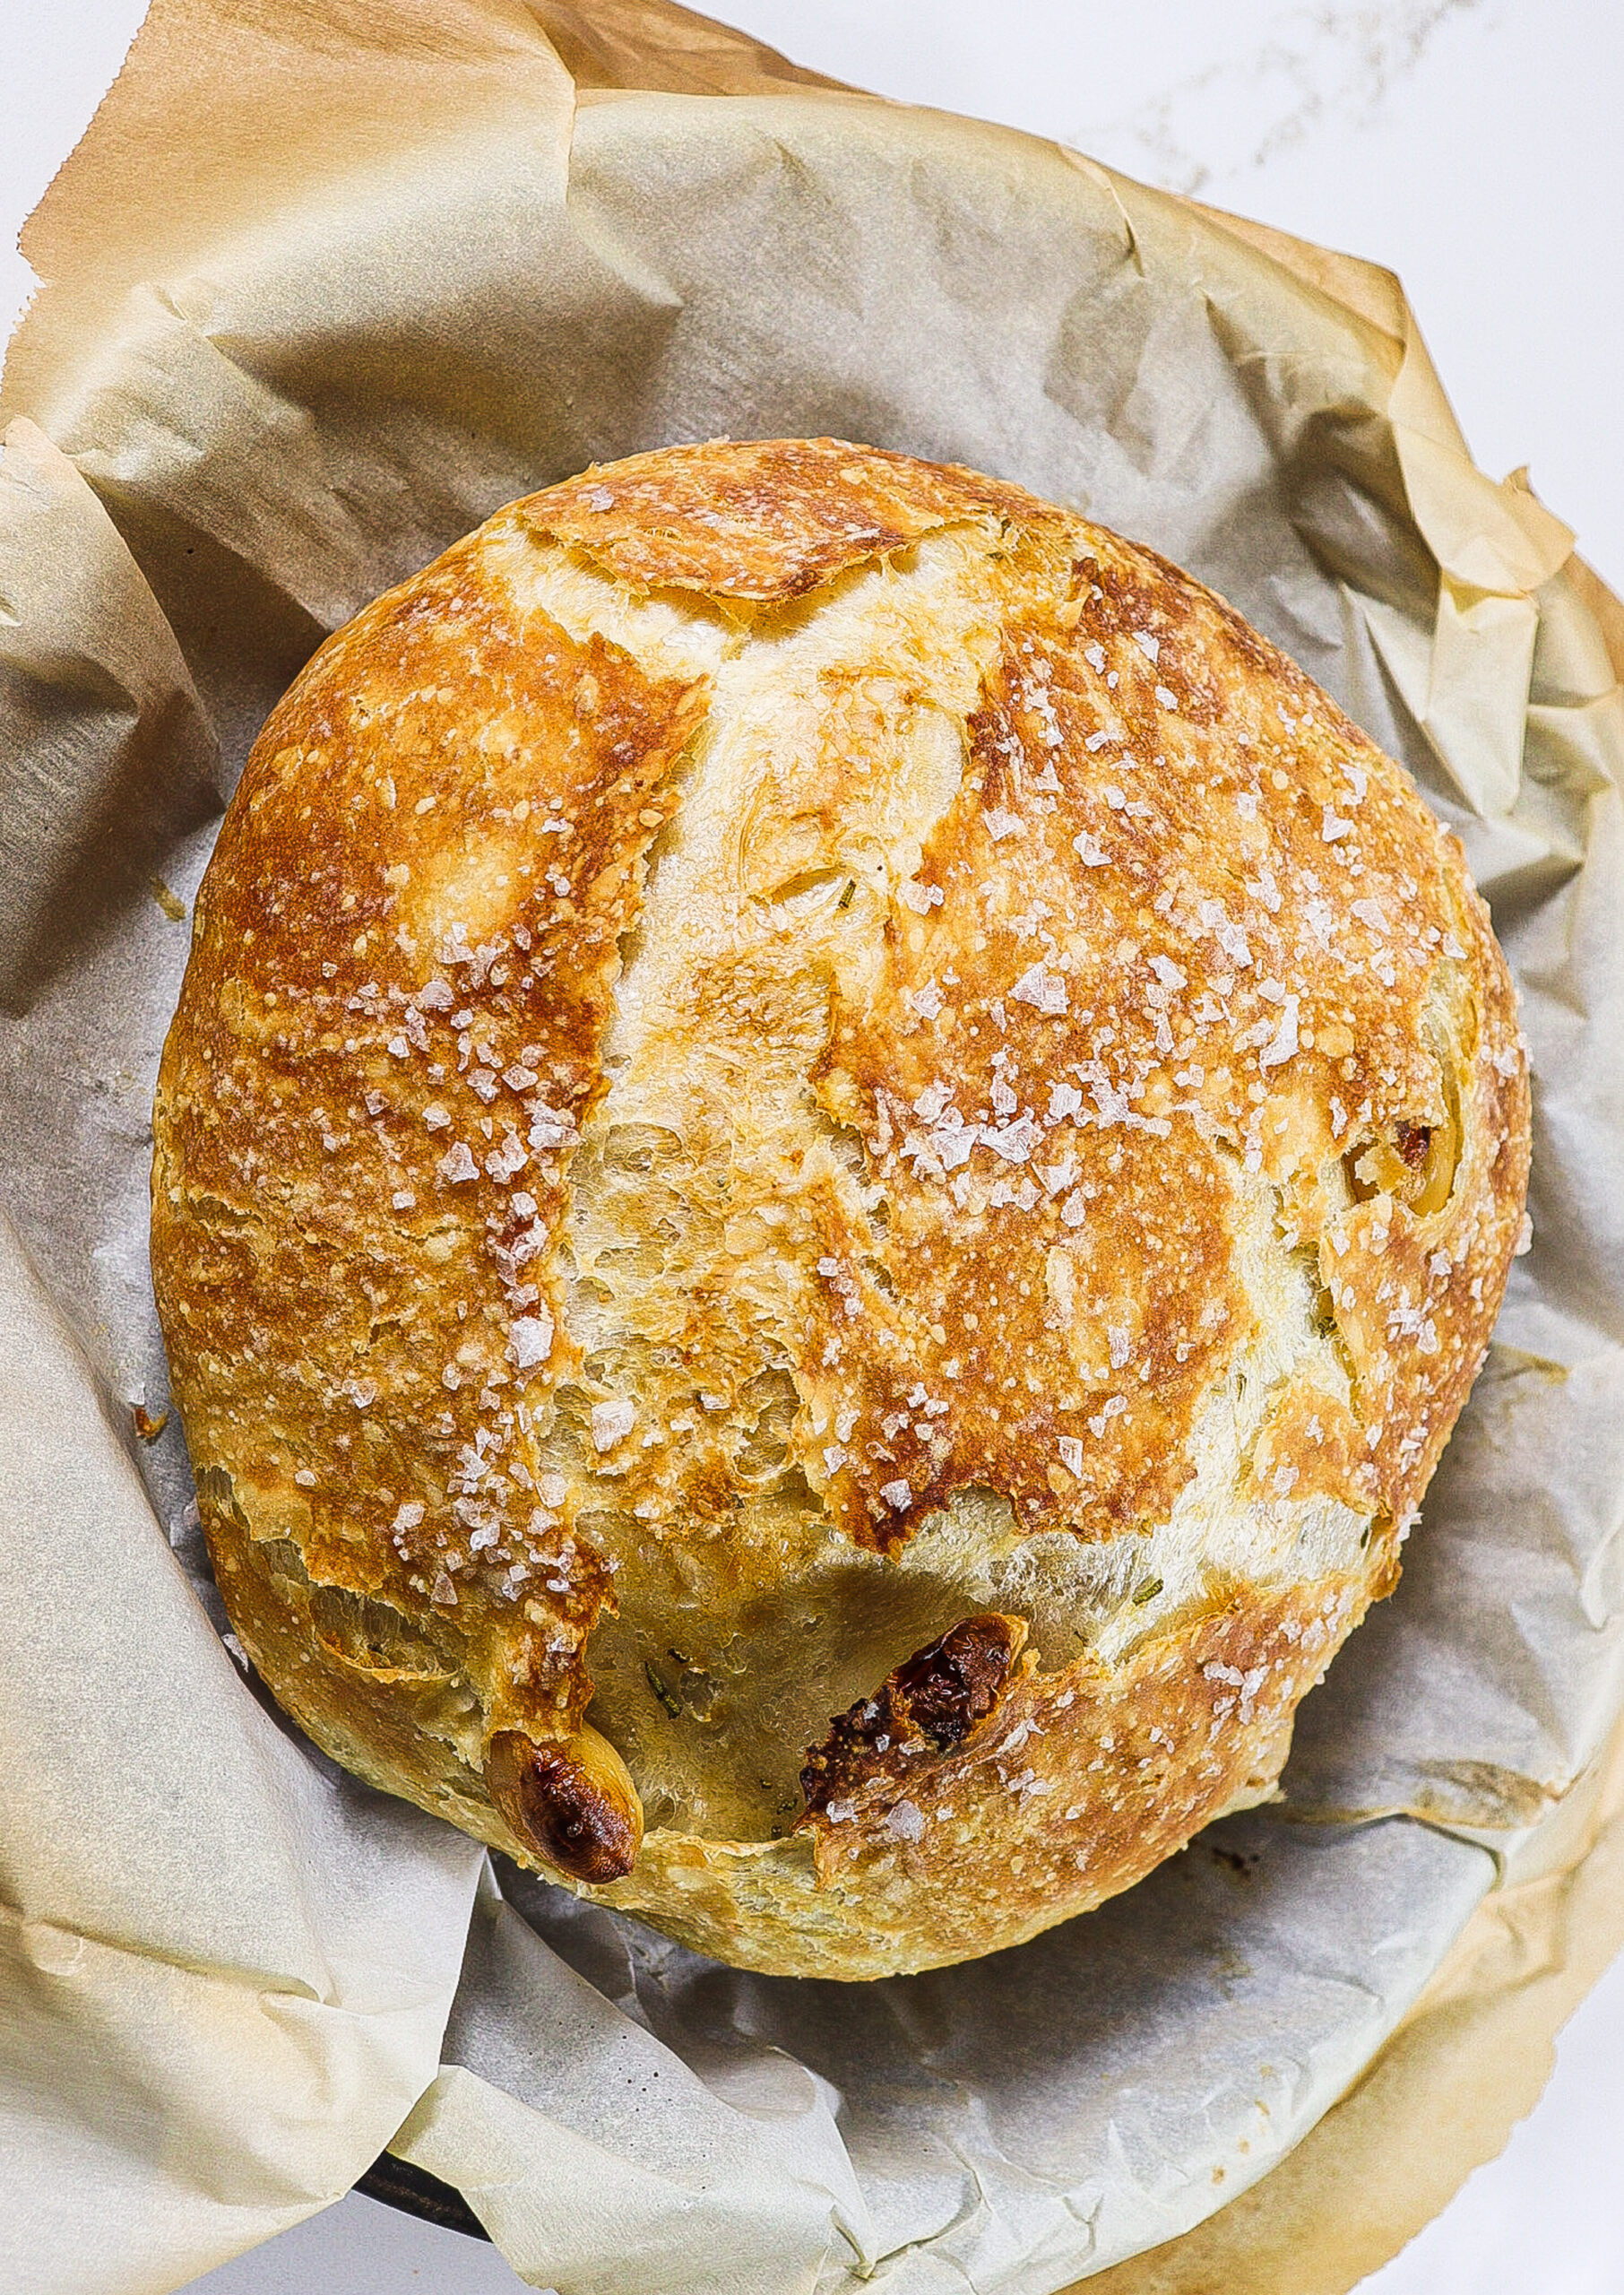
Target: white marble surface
1474	146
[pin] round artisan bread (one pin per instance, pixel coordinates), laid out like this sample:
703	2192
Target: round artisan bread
832	1163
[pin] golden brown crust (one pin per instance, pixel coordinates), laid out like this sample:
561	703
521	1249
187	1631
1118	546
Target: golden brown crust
789	1054
391	1030
764	519
1257	950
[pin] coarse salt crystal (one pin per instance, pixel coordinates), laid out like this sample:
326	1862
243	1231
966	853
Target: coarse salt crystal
1044	990
1286	1039
1071	1453
550	1127
1230	937
906	1821
613	1422
532	1340
897	1495
503	1162
1013	1142
457	1164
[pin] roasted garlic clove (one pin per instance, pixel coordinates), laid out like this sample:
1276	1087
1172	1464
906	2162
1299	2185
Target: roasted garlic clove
573	1804
1417	1166
923	1709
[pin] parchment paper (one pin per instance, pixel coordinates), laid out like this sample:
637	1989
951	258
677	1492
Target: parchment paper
325	287
1444	2093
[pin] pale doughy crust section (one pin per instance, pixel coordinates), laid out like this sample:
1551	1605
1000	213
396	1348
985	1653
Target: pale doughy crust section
785	1050
1082	1784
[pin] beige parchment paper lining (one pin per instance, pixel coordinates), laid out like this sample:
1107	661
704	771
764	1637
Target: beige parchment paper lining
324	285
1441	2098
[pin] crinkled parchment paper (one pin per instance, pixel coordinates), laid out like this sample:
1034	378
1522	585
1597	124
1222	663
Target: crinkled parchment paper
325	285
1445	2092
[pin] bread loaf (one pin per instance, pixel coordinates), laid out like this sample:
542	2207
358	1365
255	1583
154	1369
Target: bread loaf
832	1162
